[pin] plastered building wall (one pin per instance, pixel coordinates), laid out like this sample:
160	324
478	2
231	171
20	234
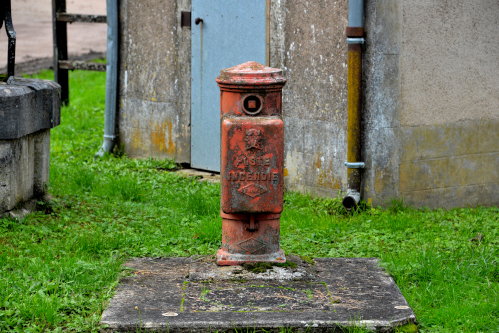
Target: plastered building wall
431	94
310	47
432	102
154	80
307	42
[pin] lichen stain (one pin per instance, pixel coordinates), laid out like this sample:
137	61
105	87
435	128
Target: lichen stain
325	177
294	160
161	137
137	141
379	182
318	162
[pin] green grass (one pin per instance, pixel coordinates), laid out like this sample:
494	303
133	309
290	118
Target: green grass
58	268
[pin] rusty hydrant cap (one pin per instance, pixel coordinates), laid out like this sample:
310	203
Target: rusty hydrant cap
251	73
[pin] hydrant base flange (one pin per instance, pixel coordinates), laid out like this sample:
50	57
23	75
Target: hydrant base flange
225	258
250	238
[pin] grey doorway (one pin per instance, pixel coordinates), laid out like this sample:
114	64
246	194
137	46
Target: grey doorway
228	33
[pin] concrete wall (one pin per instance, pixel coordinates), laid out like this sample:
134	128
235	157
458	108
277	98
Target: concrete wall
24	168
307	42
431	94
29	108
154	78
313	56
432	102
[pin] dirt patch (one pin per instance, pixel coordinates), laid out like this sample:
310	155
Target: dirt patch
32	21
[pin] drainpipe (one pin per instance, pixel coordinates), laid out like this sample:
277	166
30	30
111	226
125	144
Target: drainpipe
355	37
111	78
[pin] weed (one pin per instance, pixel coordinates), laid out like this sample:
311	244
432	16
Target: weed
262	267
183	296
310	293
397	205
307	259
257	267
204	292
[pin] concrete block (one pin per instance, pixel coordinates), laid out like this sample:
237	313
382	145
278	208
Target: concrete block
24	168
277	33
314	164
452	139
150	130
41	162
6	169
311	49
29	108
202	176
196	295
381	144
455	196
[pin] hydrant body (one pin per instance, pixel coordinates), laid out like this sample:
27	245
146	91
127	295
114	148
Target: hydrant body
252	163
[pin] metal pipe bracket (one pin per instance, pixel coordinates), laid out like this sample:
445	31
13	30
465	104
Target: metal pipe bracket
355	165
355	40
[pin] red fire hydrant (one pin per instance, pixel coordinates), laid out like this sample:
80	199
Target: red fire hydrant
252	163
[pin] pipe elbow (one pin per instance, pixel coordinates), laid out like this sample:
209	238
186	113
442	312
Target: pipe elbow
107	147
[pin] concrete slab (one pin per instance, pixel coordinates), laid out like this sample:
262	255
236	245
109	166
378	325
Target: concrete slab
196	295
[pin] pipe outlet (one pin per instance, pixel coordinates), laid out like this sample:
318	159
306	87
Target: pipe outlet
351	200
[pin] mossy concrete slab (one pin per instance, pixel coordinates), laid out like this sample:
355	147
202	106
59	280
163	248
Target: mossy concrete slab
196	295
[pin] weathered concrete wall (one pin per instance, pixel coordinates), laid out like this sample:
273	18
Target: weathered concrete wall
431	94
29	108
24	168
450	61
432	102
154	95
309	44
381	106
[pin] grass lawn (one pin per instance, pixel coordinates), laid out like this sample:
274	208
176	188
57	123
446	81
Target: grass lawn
58	267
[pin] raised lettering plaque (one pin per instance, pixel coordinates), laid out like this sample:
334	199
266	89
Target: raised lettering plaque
252	171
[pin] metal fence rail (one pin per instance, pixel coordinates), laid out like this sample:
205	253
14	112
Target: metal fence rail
62	64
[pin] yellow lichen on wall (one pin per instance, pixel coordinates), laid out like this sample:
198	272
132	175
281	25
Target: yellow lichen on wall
379	181
161	137
325	174
137	140
439	163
